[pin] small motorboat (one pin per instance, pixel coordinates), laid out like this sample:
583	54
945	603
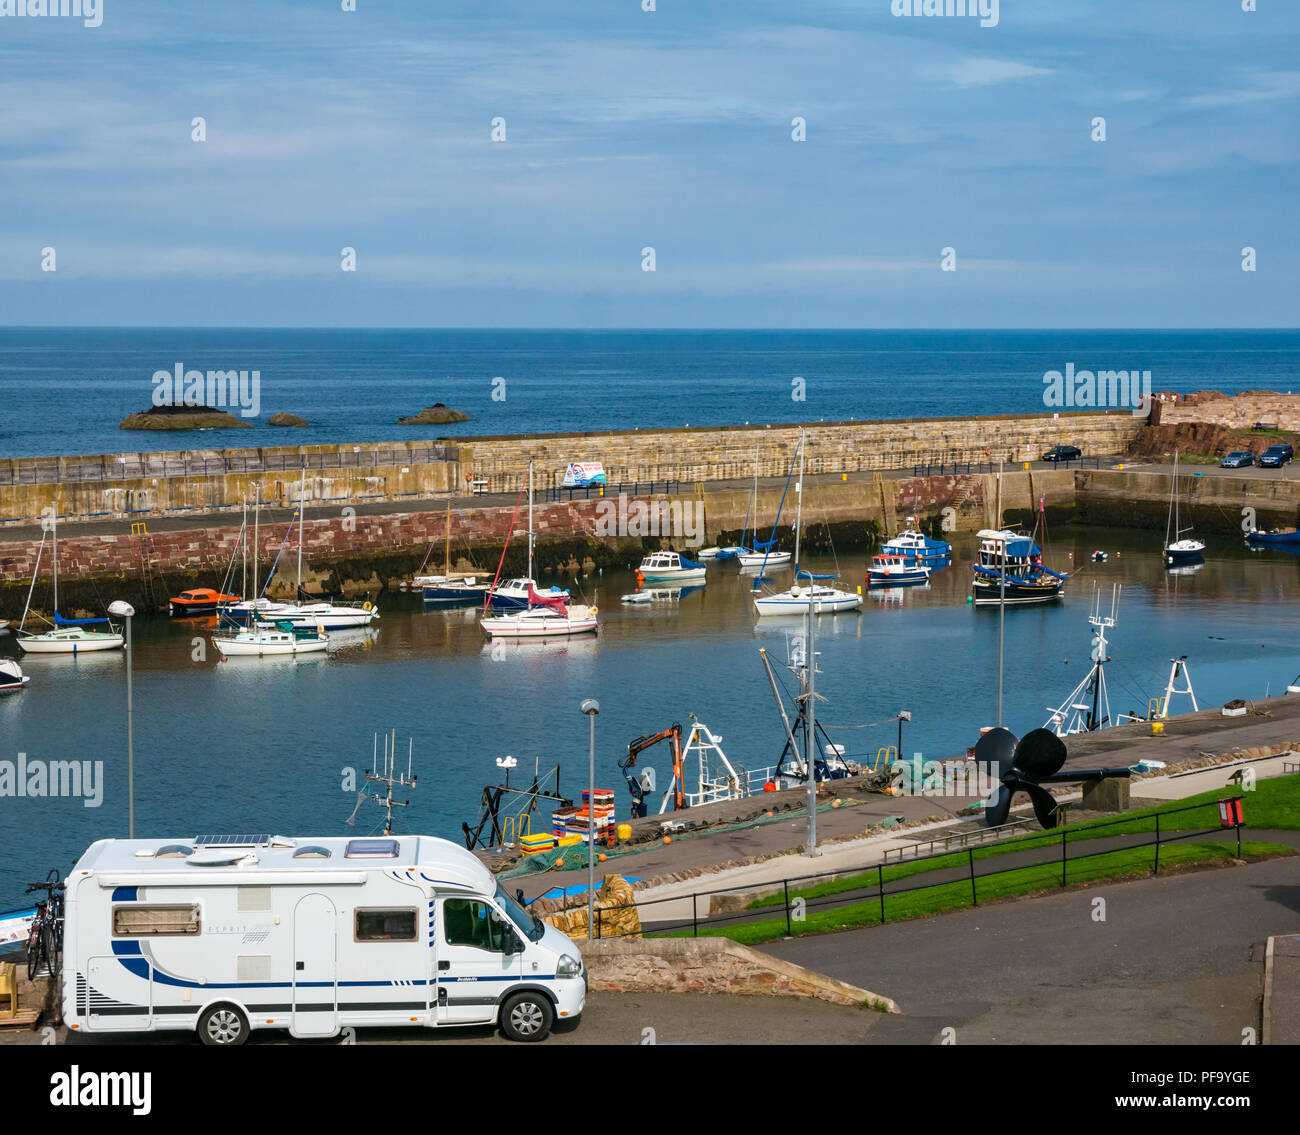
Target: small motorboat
895	571
917	547
12	678
671	567
1274	538
199	601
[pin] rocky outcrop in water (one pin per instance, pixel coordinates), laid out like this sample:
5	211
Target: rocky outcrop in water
435	415
288	420
183	418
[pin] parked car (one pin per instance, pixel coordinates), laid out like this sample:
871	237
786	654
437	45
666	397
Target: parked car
1063	453
1275	456
1237	458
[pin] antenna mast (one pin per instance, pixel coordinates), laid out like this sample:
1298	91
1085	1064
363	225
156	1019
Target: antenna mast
390	777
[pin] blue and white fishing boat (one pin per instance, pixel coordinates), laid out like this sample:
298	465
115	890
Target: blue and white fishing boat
918	548
671	567
894	571
1010	570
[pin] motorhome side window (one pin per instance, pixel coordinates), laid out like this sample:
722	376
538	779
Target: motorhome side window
155	921
469	922
385	924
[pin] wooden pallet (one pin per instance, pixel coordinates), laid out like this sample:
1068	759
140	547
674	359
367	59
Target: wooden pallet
22	1019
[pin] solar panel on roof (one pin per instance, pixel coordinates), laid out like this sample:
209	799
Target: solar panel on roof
232	840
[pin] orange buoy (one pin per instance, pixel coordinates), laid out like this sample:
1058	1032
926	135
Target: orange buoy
668	839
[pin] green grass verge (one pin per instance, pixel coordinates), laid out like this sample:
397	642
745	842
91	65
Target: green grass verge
1123	864
1274	805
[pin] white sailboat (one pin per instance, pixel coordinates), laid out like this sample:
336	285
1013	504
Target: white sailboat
69	636
324	614
765	553
1179	551
813	596
272	638
543	616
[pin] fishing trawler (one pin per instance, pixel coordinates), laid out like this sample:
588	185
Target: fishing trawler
1010	570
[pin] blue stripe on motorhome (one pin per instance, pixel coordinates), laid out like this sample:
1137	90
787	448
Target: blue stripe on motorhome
125	894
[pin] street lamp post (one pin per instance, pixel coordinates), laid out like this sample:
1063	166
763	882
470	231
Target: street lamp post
903	715
124	610
591	707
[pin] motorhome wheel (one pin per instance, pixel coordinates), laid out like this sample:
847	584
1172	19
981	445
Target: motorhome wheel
527	1016
223	1025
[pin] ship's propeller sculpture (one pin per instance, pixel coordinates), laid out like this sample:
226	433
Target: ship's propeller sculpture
1027	765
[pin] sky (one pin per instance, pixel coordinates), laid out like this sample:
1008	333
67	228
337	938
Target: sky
669	129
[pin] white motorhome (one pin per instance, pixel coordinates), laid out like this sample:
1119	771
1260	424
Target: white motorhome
225	934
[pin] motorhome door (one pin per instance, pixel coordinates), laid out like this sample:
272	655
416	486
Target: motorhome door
315	967
473	967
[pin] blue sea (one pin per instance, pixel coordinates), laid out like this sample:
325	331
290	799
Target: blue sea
64	390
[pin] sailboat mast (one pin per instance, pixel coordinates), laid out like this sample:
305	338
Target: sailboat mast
243	536
530	518
54	530
302	492
257	516
446	559
798	512
1173	499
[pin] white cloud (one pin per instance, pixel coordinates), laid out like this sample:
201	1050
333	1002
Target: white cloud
983	72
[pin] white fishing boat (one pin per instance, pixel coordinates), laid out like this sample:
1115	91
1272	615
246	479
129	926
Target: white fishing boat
12	678
69	636
277	638
812	595
671	567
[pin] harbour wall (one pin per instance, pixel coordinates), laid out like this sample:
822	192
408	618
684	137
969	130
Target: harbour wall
357	552
143	485
1211	502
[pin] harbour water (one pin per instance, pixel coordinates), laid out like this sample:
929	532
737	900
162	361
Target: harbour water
65	390
265	745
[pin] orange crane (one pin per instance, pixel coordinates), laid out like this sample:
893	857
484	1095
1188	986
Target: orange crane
635	748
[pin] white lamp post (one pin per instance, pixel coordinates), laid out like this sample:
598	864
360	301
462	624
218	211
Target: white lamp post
124	610
591	707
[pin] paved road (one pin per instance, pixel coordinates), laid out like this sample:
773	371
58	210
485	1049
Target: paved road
611	1018
1178	960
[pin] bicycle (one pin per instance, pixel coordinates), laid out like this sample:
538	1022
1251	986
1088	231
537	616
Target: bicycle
45	936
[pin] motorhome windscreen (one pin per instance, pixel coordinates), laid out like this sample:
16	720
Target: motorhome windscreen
469	922
520	917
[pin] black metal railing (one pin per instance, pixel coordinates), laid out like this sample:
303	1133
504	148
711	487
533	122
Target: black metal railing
794	908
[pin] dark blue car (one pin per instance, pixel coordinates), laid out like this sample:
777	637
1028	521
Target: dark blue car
1275	456
1237	458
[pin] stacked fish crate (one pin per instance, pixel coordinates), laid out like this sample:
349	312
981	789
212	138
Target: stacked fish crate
597	815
